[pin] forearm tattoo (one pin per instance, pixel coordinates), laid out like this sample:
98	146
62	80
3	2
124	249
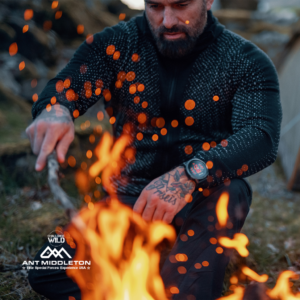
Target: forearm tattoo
170	182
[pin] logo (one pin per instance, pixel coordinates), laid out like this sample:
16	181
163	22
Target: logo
54	253
56	239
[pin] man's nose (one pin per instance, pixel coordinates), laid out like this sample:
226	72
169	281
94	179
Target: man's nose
170	20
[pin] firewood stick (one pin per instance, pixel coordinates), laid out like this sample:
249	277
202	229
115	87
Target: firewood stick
57	191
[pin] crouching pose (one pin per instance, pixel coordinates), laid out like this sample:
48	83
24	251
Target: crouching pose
204	109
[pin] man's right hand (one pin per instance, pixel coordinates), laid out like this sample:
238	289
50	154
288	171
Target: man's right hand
51	130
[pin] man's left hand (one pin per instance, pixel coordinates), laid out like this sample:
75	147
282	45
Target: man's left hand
165	196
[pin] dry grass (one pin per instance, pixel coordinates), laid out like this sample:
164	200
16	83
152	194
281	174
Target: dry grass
272	227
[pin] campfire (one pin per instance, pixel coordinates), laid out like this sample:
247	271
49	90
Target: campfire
124	250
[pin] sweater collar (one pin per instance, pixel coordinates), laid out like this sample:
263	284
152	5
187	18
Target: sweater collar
211	32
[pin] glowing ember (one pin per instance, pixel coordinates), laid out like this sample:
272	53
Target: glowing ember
221	209
80	29
254	276
54	4
13	49
116	55
135	57
76	113
122	249
28	14
189	121
58	15
122	16
160	122
206	146
35	97
22	66
237	295
190	104
239	243
25	28
188	149
174	123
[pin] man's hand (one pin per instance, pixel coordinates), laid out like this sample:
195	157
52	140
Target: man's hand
50	130
165	196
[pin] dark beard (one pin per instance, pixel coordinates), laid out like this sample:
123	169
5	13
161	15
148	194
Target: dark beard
182	47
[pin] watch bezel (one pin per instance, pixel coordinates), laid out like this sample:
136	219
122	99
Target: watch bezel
203	175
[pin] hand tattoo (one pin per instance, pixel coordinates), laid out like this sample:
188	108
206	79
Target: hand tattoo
171	182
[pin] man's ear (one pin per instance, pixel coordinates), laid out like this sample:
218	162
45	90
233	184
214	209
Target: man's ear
209	4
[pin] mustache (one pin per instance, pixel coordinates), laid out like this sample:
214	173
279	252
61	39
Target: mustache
174	29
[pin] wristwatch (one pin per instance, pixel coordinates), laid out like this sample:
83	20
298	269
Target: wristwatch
196	170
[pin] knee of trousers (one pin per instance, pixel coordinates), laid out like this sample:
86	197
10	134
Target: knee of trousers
33	278
41	280
240	198
36	278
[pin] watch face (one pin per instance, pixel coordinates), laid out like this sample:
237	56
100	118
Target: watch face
197	169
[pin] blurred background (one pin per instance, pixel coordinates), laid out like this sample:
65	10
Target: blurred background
39	37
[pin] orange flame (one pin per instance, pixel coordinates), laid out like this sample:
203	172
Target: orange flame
282	288
254	276
221	209
122	249
239	243
110	161
238	294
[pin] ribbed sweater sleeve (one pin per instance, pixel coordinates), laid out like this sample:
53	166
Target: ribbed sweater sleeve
89	69
255	120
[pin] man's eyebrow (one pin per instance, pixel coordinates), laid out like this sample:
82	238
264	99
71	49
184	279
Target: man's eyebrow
175	2
150	2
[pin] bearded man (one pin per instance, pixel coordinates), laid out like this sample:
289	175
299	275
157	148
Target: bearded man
205	113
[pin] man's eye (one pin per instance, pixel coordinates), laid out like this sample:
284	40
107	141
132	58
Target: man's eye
182	5
153	6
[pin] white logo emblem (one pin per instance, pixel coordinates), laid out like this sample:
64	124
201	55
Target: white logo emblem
54	252
56	239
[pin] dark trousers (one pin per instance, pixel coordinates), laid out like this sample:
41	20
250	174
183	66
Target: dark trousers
203	273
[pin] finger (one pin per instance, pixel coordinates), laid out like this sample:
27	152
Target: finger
39	134
29	132
149	210
158	214
63	146
47	147
140	204
168	217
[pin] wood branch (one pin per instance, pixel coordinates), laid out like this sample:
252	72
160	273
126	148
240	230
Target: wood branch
57	191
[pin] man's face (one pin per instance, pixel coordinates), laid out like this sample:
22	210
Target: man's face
177	24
